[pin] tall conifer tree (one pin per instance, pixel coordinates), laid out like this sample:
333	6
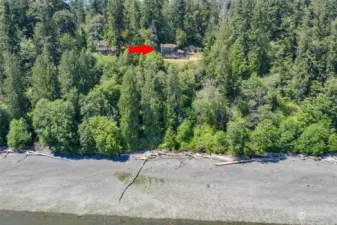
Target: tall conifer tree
129	110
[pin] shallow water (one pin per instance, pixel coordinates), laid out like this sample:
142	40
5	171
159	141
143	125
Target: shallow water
30	218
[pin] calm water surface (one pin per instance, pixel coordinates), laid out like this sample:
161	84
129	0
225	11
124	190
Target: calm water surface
29	218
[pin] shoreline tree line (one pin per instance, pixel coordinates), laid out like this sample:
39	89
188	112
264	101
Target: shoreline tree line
267	81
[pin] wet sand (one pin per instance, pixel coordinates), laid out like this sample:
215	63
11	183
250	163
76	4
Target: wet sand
288	192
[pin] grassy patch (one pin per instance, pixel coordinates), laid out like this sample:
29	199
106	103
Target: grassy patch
104	59
193	59
141	180
122	176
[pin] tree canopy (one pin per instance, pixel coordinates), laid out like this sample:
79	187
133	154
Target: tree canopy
266	81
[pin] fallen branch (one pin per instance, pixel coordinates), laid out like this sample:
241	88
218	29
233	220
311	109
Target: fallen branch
140	168
23	157
191	156
234	162
31	153
49	156
181	162
7	152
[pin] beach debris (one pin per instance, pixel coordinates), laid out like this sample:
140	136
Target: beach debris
234	162
330	158
7	152
154	155
32	153
133	180
226	158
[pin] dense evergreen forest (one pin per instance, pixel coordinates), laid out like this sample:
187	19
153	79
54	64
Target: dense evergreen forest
267	81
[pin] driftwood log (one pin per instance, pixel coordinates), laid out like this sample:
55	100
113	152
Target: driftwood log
7	152
234	162
31	153
133	180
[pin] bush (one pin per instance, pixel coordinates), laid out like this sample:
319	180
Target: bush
170	139
221	144
203	140
289	131
314	110
210	107
19	135
4	124
54	124
237	136
263	138
313	140
101	101
184	134
207	139
100	135
332	143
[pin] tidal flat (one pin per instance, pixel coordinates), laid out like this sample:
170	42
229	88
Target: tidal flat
291	191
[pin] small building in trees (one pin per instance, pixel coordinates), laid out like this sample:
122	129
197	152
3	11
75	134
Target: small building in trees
104	50
171	51
198	50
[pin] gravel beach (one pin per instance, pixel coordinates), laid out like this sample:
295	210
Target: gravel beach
292	191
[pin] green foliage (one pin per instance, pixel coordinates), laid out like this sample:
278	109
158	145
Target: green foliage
19	135
129	110
44	81
207	139
77	70
99	135
221	144
210	107
290	129
264	138
267	80
64	22
170	139
184	134
4	124
313	140
14	91
237	136
95	30
151	107
54	124
315	109
101	101
181	38
173	106
8	32
116	12
332	143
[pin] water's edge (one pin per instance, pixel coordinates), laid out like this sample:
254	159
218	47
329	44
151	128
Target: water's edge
43	218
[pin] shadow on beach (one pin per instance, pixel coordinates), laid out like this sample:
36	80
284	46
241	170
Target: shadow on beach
121	158
42	218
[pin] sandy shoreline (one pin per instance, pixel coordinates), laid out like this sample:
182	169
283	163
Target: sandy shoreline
289	192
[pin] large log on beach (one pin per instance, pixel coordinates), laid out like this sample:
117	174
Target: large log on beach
234	162
224	158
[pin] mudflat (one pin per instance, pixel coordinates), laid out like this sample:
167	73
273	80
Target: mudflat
292	191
